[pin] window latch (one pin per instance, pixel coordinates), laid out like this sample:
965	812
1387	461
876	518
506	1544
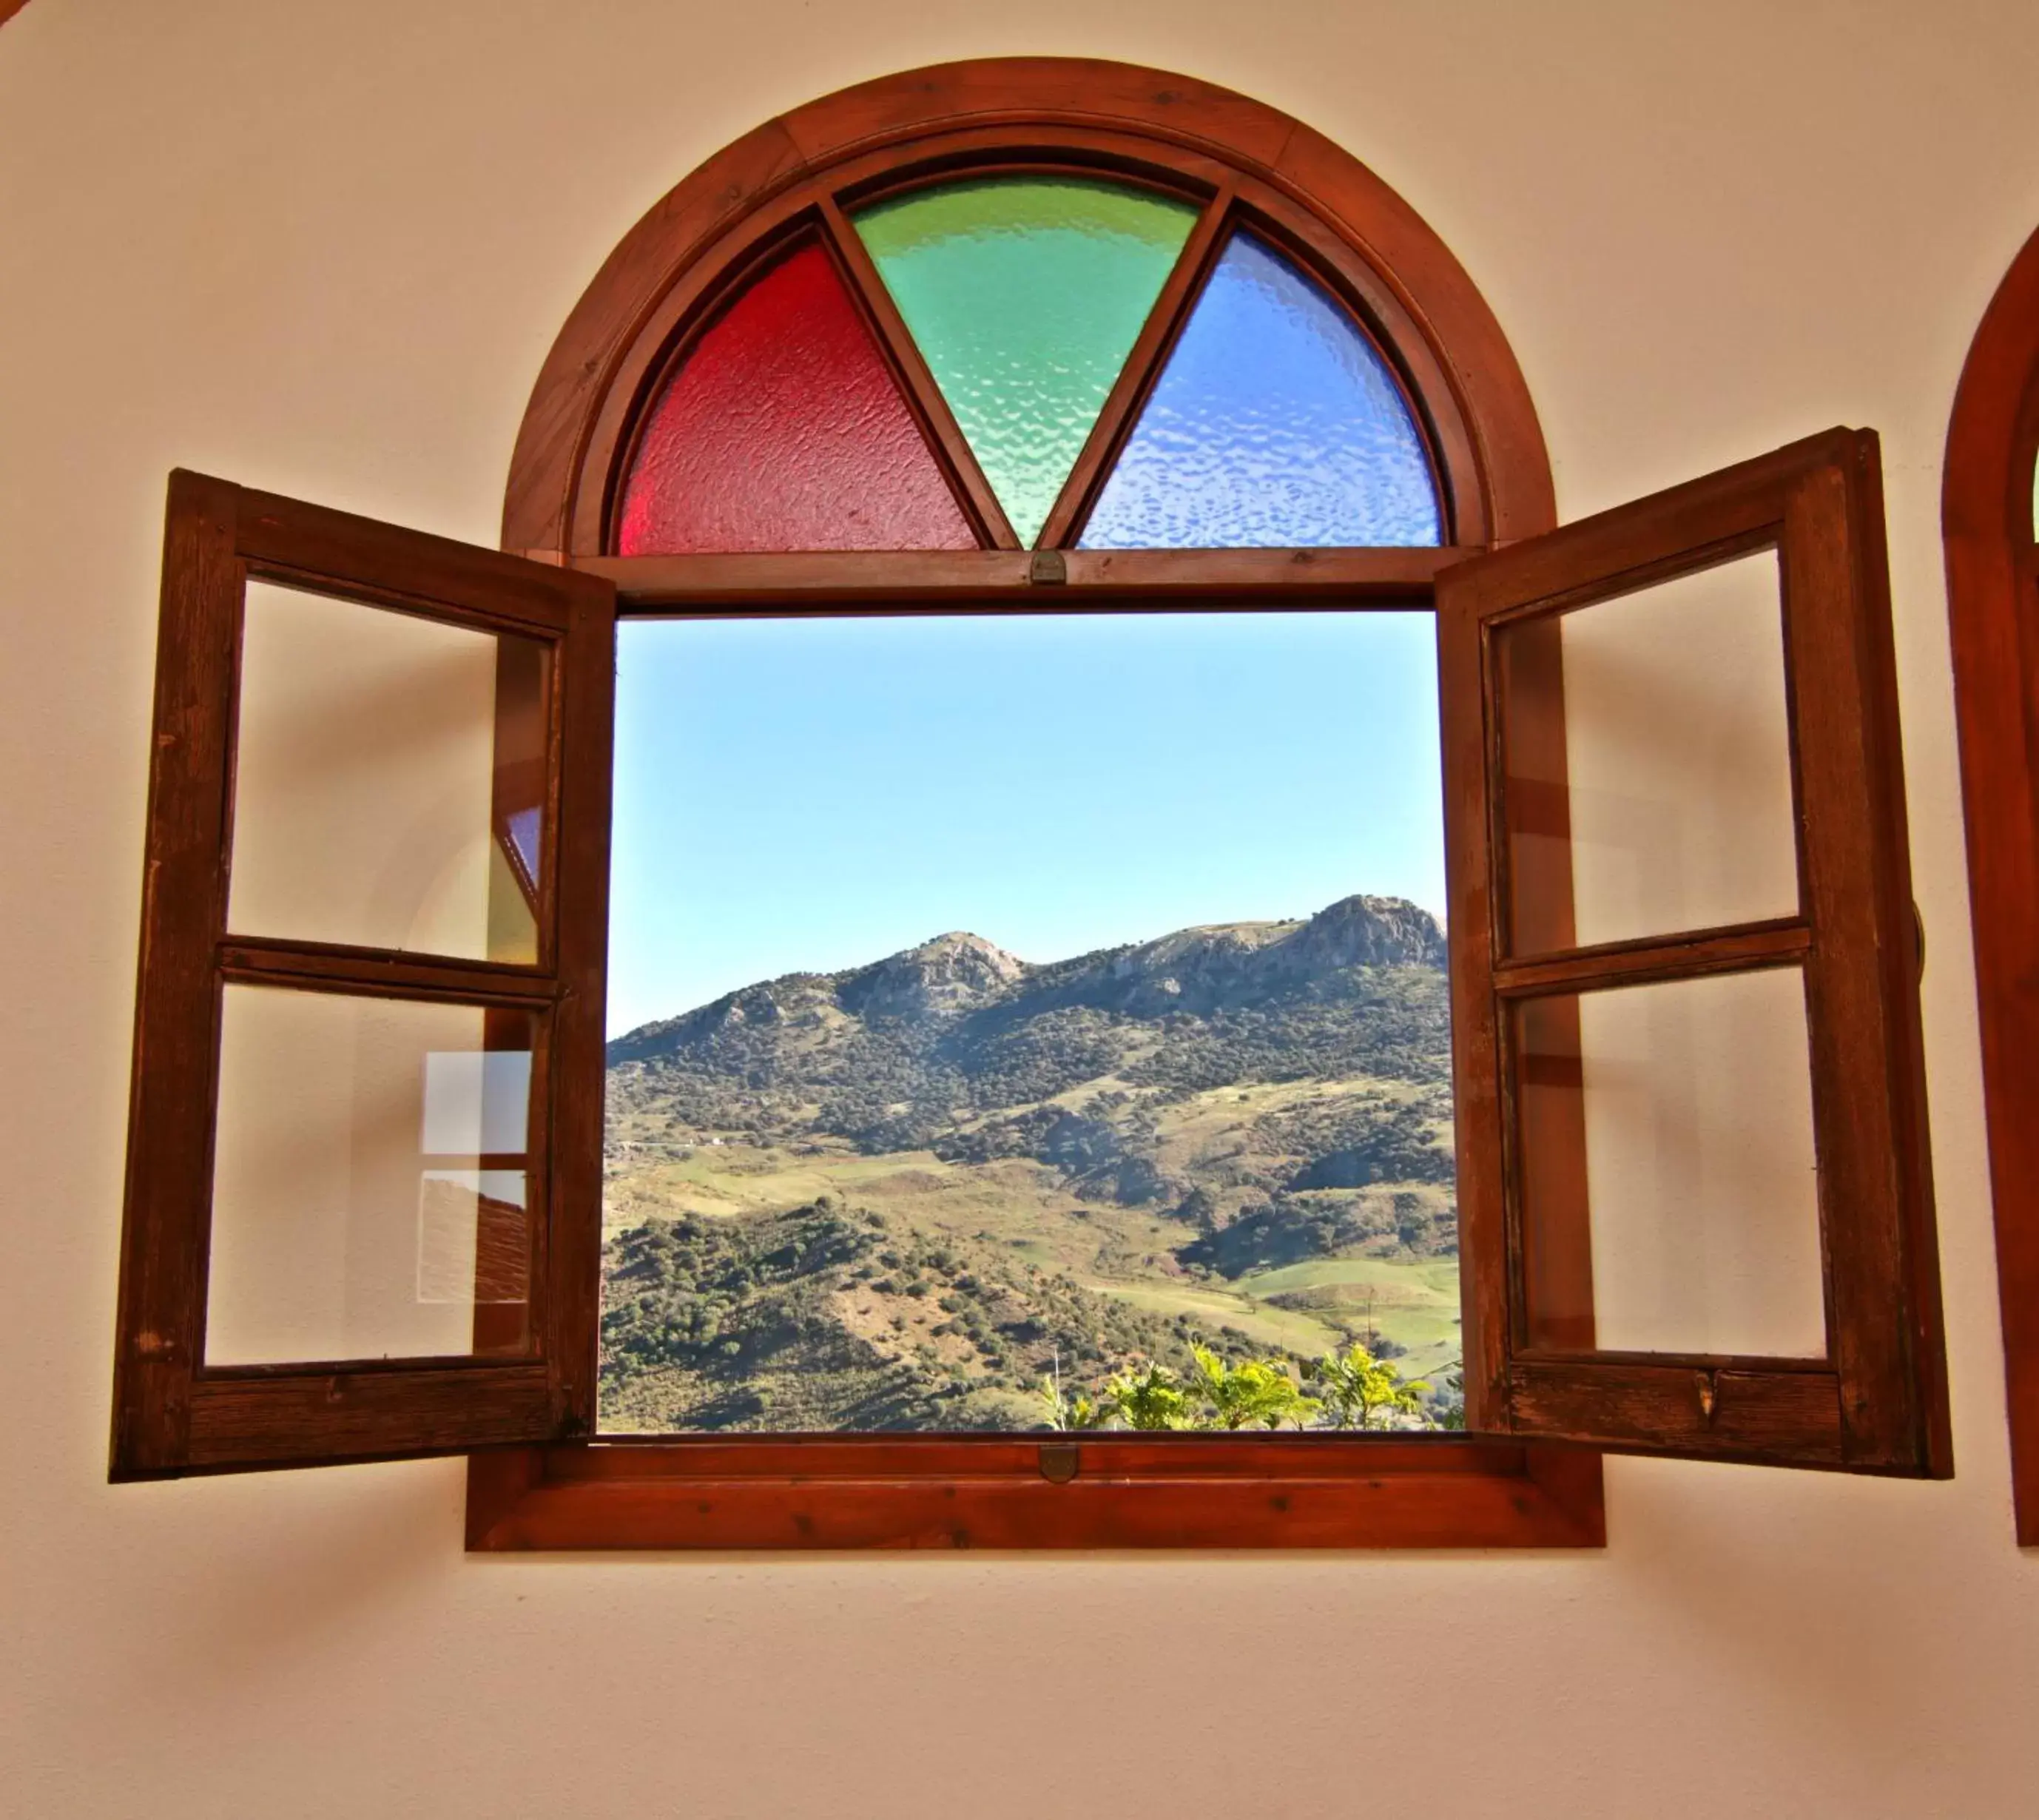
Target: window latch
1058	1461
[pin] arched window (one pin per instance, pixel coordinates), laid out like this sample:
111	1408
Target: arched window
1990	504
1046	337
1035	303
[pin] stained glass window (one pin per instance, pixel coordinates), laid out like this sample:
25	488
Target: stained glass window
785	430
1275	423
1025	296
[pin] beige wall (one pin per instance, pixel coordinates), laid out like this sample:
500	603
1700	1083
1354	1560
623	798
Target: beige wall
322	247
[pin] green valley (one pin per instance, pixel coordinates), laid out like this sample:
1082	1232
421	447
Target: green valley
902	1196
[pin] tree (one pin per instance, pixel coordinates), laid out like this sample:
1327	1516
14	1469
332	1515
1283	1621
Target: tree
1357	1388
1069	1413
1257	1391
1151	1398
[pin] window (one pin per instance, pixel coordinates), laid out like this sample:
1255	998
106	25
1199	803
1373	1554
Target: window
1017	339
1989	506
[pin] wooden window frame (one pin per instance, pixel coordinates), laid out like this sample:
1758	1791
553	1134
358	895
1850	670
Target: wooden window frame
1239	159
1993	622
1874	1400
540	1477
174	1413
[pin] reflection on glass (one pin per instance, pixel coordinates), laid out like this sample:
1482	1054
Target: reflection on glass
1276	424
370	1197
1647	762
785	430
1670	1188
1025	296
383	764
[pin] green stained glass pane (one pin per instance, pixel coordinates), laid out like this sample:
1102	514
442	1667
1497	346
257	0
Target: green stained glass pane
1025	296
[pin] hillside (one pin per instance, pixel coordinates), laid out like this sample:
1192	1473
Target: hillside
897	1196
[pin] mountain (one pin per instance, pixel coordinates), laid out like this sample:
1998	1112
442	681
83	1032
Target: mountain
895	1195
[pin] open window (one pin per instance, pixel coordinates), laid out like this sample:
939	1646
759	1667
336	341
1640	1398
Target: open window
1697	1208
367	1166
371	954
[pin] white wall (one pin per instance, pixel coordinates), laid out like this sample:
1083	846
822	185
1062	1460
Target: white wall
322	248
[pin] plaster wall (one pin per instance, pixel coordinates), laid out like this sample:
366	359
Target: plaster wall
322	248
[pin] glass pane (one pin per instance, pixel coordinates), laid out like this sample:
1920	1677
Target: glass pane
1670	1187
1276	424
1178	1075
1648	762
370	1197
381	763
785	430
1025	296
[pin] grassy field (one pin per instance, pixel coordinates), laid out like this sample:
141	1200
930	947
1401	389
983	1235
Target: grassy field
1024	1213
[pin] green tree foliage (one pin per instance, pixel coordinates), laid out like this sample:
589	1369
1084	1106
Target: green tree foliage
1357	1391
1066	1414
1151	1397
1258	1393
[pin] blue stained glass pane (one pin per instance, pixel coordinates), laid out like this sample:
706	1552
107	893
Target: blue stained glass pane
1275	424
524	836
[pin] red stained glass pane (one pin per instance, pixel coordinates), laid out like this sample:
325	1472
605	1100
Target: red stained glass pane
784	429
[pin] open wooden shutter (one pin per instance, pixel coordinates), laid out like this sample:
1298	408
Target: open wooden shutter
1695	1196
363	1213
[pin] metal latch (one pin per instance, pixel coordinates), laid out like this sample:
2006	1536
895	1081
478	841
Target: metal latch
1058	1461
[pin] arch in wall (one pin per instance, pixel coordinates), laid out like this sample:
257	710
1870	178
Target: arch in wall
1987	512
1315	201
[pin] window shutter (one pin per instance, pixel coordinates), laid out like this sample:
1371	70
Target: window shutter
362	1215
1696	1199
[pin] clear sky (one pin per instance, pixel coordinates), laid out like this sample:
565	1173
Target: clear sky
805	795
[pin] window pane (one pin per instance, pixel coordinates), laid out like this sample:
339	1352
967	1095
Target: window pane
1647	767
1025	296
1670	1188
1276	424
371	1196
1175	1072
389	780
785	430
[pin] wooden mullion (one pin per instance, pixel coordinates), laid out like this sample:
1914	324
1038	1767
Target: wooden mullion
1149	354
368	972
906	581
1734	950
951	448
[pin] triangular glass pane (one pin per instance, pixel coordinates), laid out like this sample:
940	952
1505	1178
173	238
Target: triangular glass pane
1275	424
1025	296
523	825
785	430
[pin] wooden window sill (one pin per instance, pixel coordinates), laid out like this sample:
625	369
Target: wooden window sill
1125	1491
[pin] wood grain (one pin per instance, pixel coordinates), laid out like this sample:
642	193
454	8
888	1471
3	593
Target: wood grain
834	582
989	1492
171	1414
1819	501
1992	594
669	275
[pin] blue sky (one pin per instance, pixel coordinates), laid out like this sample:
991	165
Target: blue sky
803	796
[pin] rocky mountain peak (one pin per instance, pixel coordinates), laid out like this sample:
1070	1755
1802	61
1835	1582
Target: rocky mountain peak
949	973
